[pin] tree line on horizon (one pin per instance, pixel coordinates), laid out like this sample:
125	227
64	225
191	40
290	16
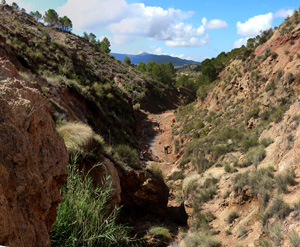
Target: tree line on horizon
51	17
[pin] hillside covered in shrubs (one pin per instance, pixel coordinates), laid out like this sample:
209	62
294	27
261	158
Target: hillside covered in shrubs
239	144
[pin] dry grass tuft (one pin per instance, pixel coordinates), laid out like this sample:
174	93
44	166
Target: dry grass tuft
80	138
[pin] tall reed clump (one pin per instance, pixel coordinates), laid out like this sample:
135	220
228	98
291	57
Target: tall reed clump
84	217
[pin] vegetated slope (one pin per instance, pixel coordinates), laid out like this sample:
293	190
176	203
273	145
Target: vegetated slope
82	82
136	59
240	145
78	83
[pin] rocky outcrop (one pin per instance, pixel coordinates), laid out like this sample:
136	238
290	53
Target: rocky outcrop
143	190
33	161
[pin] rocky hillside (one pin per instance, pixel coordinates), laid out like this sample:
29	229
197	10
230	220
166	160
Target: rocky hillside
52	79
240	147
33	160
83	83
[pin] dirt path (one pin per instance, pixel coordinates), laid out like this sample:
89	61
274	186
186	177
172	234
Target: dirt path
163	137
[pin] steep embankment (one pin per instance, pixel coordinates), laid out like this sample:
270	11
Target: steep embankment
33	160
47	75
241	148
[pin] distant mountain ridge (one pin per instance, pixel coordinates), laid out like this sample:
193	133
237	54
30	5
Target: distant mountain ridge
136	59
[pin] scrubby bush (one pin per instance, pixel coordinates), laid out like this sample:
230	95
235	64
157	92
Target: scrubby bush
276	233
284	179
290	77
294	238
279	74
279	208
176	175
260	182
270	86
274	55
229	168
254	156
84	217
266	142
161	234
203	239
127	155
157	172
232	216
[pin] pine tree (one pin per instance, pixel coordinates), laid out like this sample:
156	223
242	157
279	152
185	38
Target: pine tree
127	60
51	17
37	15
104	45
64	23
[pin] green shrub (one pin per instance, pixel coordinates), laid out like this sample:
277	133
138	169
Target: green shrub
176	175
290	77
284	179
270	86
276	233
266	142
279	74
278	208
294	238
243	231
260	181
203	239
84	218
157	172
232	216
162	234
274	55
249	141
229	168
128	156
254	156
297	78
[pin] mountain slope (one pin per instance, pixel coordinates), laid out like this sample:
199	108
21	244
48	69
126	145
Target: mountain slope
136	59
240	147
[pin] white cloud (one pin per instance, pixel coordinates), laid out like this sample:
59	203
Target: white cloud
159	50
120	39
93	14
240	42
284	13
254	25
191	42
216	24
124	20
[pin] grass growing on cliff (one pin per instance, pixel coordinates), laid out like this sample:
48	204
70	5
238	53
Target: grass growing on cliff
80	138
84	218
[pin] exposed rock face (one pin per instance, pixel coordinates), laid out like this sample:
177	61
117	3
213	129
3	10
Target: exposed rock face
33	161
141	189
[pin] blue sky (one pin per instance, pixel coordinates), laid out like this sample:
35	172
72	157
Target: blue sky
188	29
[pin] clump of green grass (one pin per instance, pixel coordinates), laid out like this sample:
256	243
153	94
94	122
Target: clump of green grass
294	238
84	217
196	239
162	234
